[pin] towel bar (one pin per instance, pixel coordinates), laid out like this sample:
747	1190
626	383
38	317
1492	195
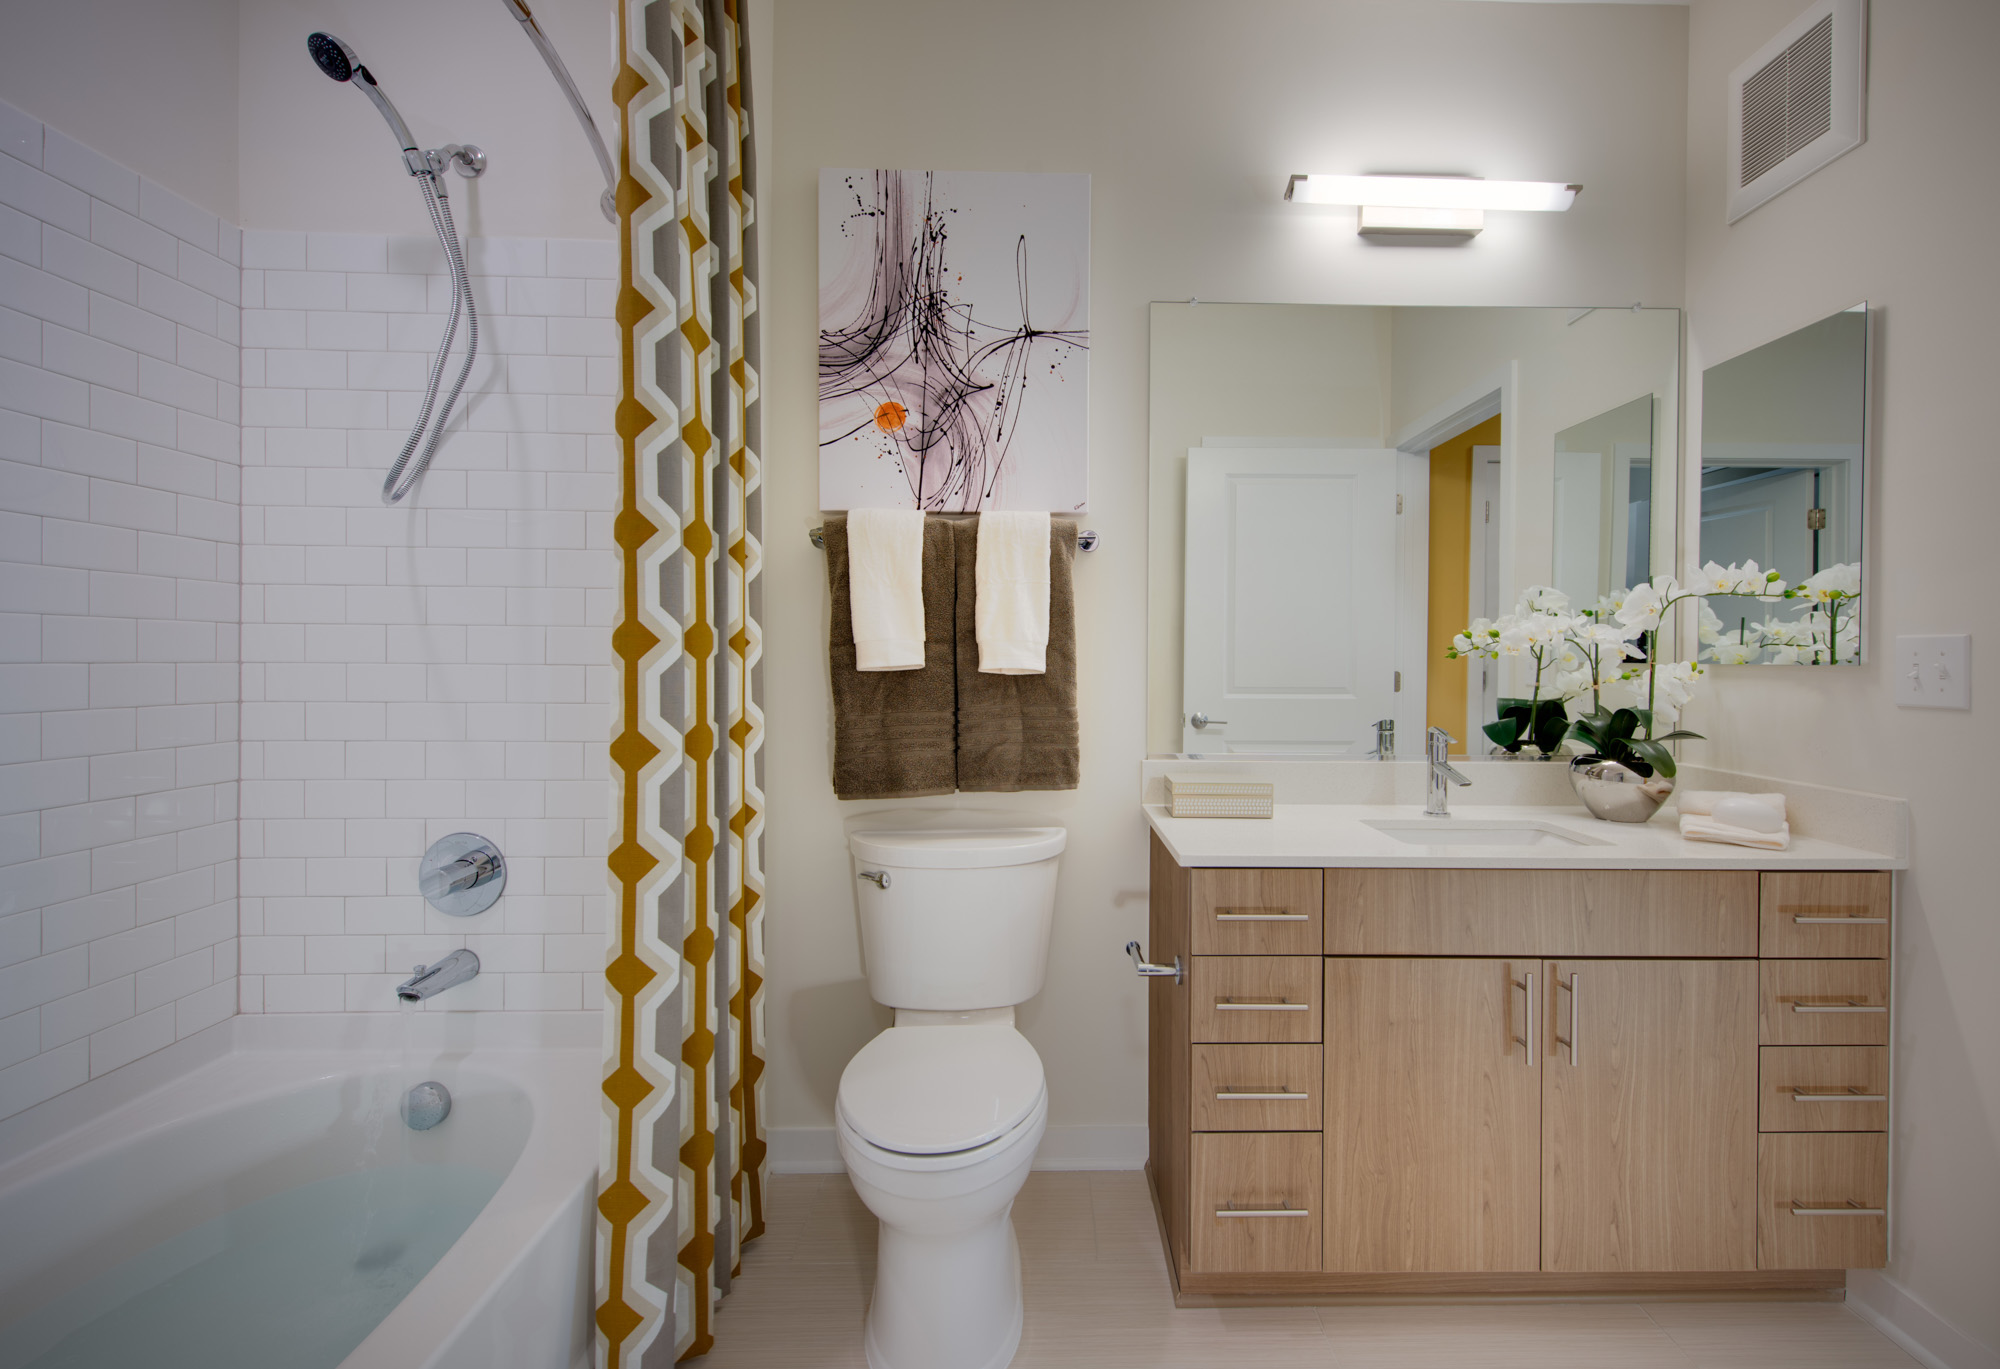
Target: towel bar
1086	539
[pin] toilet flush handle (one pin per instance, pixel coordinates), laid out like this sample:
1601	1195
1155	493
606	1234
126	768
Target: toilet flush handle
880	878
1149	971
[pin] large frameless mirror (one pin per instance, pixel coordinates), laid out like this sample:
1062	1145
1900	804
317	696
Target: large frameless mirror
1338	491
1783	445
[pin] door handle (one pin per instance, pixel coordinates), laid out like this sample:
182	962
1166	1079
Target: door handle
1149	970
1575	1016
1527	1042
1201	720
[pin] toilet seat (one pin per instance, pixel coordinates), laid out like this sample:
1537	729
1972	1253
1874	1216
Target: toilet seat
934	1091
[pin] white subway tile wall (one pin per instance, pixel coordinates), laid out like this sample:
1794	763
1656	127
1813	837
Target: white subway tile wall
238	695
119	567
438	666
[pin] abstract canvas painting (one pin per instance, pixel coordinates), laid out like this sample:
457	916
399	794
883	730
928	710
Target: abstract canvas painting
954	337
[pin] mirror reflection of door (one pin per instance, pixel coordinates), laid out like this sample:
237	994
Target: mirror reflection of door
1285	596
1603	517
1782	437
1291	558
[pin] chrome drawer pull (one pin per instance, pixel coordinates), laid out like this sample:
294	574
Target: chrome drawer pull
1849	1006
1859	921
1799	1095
1852	1209
1263	917
1262	1212
1260	1005
1248	1095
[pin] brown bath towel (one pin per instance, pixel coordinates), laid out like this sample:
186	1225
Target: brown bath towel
1018	731
892	729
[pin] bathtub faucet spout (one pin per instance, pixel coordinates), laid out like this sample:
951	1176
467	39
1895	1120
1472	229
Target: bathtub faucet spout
431	980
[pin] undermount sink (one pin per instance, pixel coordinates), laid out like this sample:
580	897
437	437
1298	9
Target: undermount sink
1461	832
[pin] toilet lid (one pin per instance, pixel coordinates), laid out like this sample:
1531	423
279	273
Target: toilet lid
933	1090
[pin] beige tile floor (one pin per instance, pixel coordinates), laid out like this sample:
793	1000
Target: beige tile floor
1096	1288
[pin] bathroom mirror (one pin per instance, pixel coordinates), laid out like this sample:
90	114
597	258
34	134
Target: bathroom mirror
1337	490
1783	441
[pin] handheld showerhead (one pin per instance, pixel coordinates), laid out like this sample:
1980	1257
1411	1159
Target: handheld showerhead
337	60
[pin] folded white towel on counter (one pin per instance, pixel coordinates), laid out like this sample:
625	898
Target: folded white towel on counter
885	583
1701	802
1695	827
1011	593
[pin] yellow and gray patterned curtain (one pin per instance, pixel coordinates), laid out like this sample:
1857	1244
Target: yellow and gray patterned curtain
682	1169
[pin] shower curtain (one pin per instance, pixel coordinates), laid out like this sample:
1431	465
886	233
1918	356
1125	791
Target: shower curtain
682	1166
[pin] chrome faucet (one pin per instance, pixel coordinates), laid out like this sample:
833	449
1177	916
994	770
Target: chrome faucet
431	980
1441	769
1385	741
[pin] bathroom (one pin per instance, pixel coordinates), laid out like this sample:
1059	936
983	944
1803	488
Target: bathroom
338	683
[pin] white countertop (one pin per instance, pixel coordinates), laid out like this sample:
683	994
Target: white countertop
1315	834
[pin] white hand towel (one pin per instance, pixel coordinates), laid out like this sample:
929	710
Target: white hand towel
1694	827
885	585
1701	802
1010	611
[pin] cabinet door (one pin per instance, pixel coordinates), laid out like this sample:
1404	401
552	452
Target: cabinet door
1432	1116
1649	1115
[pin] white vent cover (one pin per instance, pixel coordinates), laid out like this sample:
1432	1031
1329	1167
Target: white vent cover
1798	103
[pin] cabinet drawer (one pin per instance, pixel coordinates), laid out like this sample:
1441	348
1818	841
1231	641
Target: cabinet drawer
1681	913
1823	1088
1825	916
1824	1003
1256	912
1822	1201
1256	1088
1255	1202
1253	997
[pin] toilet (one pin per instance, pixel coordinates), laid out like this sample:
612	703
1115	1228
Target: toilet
938	1118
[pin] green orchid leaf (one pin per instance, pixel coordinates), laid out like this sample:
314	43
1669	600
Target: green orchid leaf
1505	734
1658	757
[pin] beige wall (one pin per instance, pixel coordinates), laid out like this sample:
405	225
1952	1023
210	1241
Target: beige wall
315	155
1893	223
1188	119
148	83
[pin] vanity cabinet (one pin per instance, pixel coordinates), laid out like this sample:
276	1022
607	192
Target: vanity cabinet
1508	1082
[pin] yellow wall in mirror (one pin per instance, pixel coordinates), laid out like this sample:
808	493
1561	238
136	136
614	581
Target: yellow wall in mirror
1450	576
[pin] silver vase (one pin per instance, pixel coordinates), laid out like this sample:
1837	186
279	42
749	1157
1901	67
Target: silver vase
1617	793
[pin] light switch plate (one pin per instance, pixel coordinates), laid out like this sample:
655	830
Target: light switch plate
1934	672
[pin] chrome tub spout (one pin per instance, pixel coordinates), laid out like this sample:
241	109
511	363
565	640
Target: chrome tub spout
431	980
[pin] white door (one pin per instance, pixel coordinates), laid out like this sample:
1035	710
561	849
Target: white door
1291	599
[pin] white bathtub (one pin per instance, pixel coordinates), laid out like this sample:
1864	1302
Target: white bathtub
270	1133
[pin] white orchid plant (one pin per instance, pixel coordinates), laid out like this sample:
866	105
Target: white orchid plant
1611	648
1827	633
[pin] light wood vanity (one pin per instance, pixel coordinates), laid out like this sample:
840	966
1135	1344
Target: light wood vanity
1386	1082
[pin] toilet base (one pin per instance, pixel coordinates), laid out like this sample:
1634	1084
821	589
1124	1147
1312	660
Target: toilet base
946	1303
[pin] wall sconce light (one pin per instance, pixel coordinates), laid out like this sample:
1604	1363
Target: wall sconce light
1429	206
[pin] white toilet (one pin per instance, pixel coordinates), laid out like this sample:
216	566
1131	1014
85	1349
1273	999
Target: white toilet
939	1116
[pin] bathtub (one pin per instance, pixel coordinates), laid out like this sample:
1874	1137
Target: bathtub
274	1190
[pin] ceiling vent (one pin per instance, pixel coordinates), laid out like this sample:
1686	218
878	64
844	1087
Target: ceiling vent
1798	103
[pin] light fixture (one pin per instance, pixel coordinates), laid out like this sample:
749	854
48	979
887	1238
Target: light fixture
1437	206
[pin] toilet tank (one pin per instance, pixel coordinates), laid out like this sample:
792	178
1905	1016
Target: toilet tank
960	919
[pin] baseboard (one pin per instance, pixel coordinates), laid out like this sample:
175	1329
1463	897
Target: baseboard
811	1150
1909	1321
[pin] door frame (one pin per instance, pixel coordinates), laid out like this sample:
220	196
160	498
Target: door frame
1499	393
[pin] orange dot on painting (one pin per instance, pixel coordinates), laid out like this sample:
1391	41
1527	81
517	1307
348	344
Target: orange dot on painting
889	416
